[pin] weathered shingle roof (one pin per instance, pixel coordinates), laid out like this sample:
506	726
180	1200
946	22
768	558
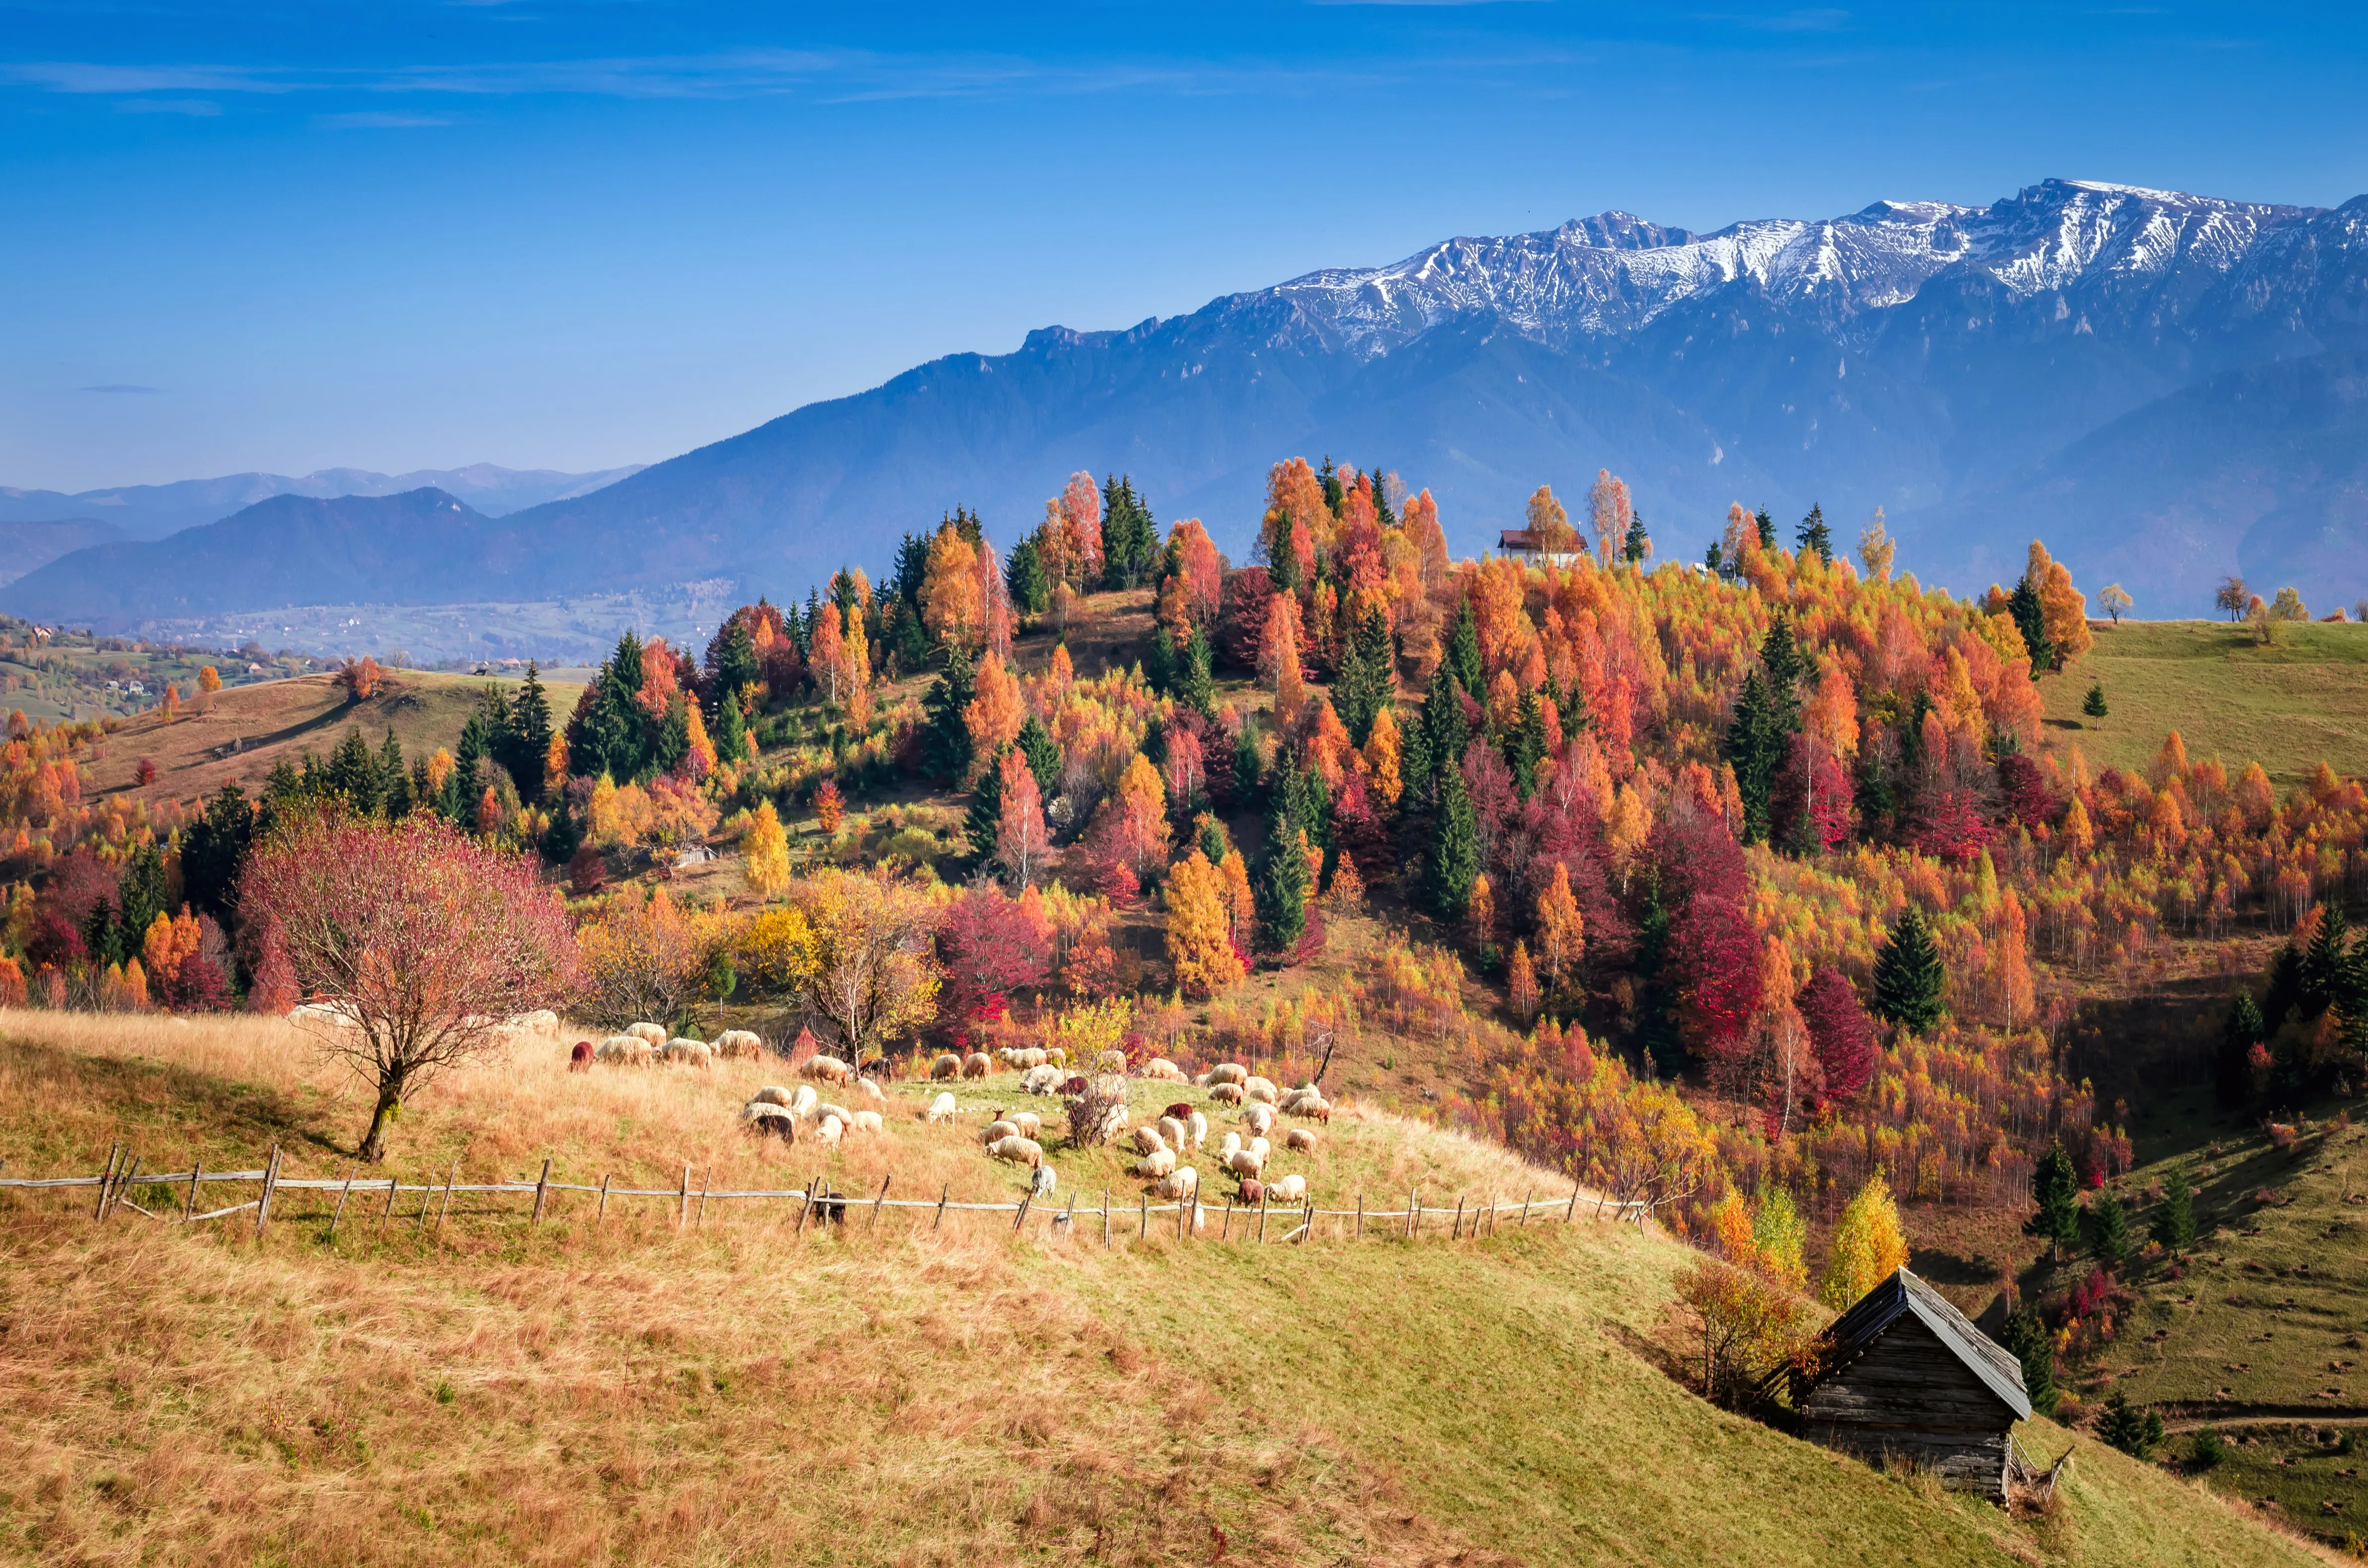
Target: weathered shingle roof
1904	1293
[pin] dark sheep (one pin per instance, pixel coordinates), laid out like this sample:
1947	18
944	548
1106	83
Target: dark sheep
829	1207
1180	1111
1253	1192
1072	1086
580	1059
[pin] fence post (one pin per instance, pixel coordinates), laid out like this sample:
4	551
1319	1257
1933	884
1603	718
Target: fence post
601	1217
451	1176
196	1168
1143	1223
426	1201
682	1219
803	1210
1226	1227
1021	1218
1069	1218
706	1176
388	1212
1261	1213
1106	1238
938	1224
881	1199
1527	1198
1414	1212
270	1180
541	1190
105	1180
343	1193
1572	1214
1361	1216
123	1184
1455	1226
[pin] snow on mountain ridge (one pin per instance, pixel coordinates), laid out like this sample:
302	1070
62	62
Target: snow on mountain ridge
1614	273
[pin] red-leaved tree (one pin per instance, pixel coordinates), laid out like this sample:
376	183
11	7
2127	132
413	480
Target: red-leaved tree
990	946
1717	955
417	940
1838	1031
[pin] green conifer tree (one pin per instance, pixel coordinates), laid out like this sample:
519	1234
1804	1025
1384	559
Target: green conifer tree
393	778
2109	1231
1464	654
1908	976
1282	566
1815	535
1196	683
1453	863
984	824
1044	753
1368	681
1638	544
2244	1031
945	741
731	735
353	773
2174	1217
2031	619
1281	890
2093	705
1525	748
1767	526
2055	1190
2028	1341
2136	1432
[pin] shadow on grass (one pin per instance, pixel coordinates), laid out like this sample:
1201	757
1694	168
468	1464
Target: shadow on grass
145	1101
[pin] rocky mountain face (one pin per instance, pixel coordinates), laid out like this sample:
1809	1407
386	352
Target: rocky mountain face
2167	387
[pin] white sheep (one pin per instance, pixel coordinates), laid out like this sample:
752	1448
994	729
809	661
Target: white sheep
739	1045
845	1117
656	1035
1042	1184
866	1121
1113	1121
1044	1080
1242	1162
1158	1163
1300	1138
1233	1141
1225	1094
1172	1132
828	1068
1182	1182
977	1064
1261	1090
996	1130
942	1108
869	1091
688	1052
623	1051
771	1093
1227	1073
1018	1150
947	1065
1261	1147
763	1119
1290	1188
1200	1128
1030	1125
1259	1117
1167	1071
831	1130
803	1100
1149	1140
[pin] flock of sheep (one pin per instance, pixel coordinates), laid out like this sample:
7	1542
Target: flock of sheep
1016	1137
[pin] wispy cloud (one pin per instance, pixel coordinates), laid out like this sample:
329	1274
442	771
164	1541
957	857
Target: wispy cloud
366	121
123	387
201	108
84	76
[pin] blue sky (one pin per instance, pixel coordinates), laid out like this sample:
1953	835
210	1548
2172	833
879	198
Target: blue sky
403	235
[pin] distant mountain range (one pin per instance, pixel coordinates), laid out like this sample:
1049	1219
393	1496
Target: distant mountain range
2166	387
153	511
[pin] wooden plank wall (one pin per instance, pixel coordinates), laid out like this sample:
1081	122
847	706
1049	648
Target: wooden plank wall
1910	1398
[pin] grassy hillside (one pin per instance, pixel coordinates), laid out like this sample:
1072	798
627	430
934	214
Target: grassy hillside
195	756
2288	706
745	1394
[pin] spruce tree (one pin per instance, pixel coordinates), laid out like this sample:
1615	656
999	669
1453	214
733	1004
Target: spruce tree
565	837
1247	763
945	741
1781	657
1453	863
735	668
2093	705
1464	654
2321	975
1281	892
2056	1189
213	851
1767	526
1638	544
2136	1432
1444	731
1875	799
2243	1032
2028	1341
1196	682
1815	535
983	826
1526	746
2174	1217
102	934
459	801
731	730
674	737
1282	563
912	571
1754	743
1368	681
353	773
1159	661
394	780
2031	619
140	897
1044	753
2109	1231
1907	975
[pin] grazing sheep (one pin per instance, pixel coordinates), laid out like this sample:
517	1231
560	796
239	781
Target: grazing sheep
1042	1184
866	1121
1043	1080
1233	1141
542	1020
1182	1182
947	1065
1244	1161
651	1032
623	1050
803	1100
1199	1127
762	1118
1259	1117
1262	1089
771	1093
1261	1147
868	1090
1164	1071
1058	1056
1158	1163
1227	1073
1172	1132
845	1117
739	1045
1299	1138
1149	1140
1008	1056
831	1130
1253	1191
1072	1086
688	1052
1018	1150
1292	1188
580	1059
1030	1124
1179	1110
977	1065
996	1130
828	1068
1225	1094
940	1109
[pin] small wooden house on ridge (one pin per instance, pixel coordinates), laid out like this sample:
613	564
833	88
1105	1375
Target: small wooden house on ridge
1905	1377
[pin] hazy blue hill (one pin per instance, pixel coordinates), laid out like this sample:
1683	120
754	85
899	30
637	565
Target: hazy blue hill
25	547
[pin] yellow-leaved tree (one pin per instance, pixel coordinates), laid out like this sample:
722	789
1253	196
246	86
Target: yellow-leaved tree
765	848
1869	1246
872	972
1200	927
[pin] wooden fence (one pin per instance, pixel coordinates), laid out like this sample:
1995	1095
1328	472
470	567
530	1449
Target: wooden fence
384	1200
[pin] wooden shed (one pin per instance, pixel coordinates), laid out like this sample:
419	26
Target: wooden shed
1905	1377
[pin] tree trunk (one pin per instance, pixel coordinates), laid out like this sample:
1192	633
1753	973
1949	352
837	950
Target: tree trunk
373	1149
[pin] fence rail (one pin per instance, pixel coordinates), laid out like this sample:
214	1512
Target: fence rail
1412	1222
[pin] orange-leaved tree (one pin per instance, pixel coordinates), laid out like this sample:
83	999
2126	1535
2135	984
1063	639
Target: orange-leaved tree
1200	927
419	939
